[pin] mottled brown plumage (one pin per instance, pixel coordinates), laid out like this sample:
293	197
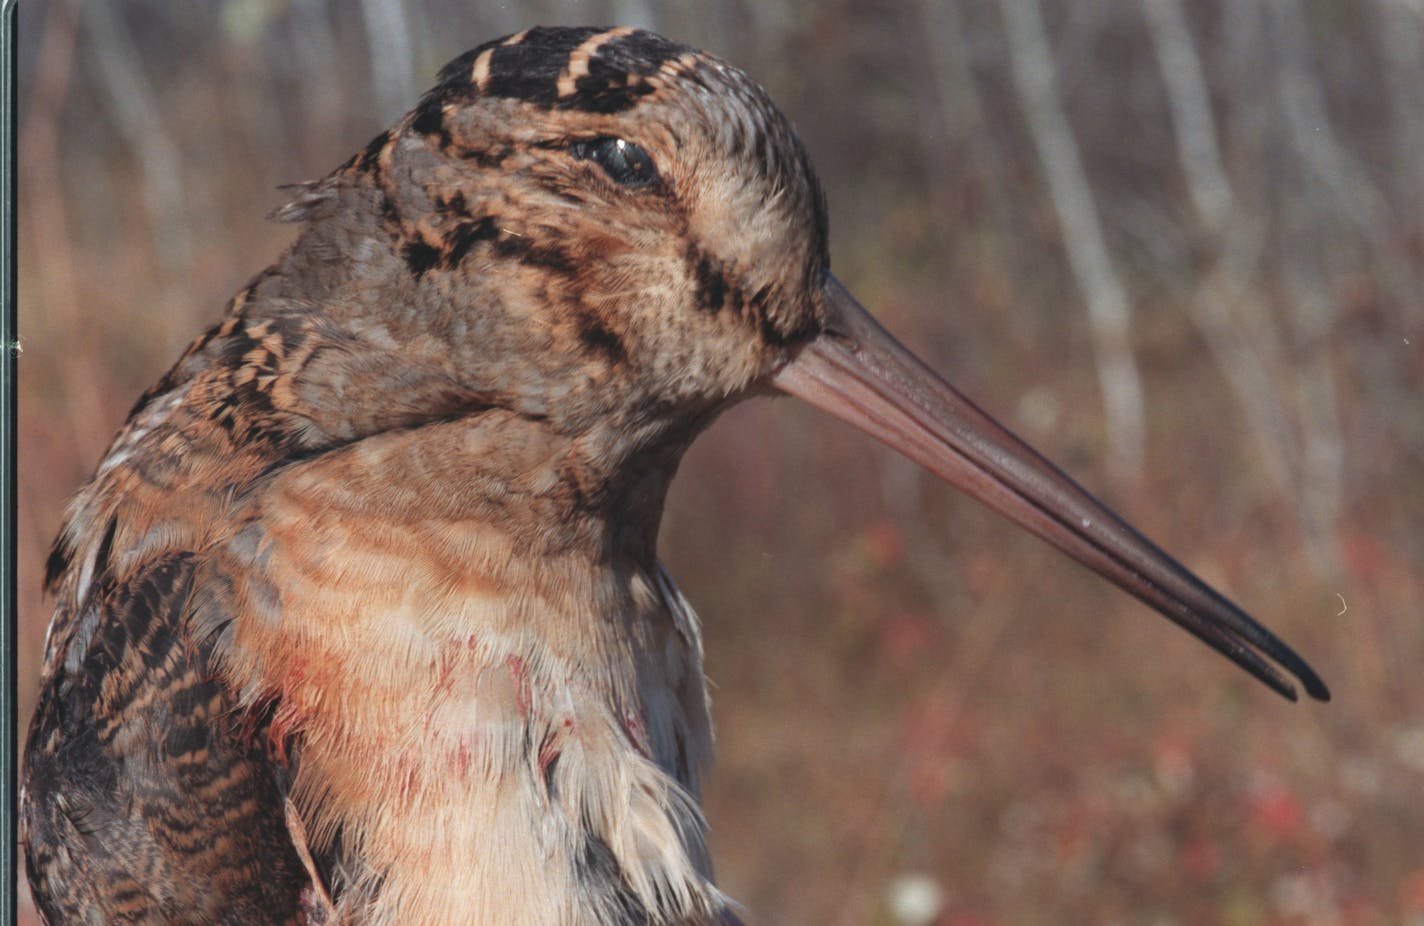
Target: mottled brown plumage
361	619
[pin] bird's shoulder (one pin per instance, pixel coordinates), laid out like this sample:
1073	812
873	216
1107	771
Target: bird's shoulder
138	743
135	749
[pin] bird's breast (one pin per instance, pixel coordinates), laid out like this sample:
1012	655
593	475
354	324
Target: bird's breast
473	723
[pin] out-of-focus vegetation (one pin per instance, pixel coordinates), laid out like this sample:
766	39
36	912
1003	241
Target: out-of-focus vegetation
1180	246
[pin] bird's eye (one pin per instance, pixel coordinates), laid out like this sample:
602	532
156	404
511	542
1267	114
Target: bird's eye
626	163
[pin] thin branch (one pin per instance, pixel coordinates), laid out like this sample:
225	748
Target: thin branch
1315	240
1101	288
958	97
1354	197
1190	106
1240	352
136	112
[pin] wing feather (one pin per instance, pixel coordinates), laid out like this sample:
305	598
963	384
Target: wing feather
147	798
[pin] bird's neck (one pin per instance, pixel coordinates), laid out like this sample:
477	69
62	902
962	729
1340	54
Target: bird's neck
490	689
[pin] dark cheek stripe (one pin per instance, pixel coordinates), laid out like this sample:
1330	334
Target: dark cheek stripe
464	237
543	256
484	157
708	279
422	255
716	288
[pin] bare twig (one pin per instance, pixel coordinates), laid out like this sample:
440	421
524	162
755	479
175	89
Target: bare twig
959	105
1246	347
131	99
1190	107
1315	244
1241	350
1101	288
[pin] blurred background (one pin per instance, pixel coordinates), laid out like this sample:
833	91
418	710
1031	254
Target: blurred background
1177	245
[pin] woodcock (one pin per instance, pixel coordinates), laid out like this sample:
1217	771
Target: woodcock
361	618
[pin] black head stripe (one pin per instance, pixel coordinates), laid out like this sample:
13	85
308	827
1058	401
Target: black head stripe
543	48
531	68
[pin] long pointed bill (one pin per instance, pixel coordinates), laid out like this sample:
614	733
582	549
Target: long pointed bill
858	372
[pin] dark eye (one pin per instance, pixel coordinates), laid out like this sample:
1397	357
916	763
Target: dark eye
626	163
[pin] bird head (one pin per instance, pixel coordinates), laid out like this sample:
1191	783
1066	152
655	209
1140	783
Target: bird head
608	231
597	227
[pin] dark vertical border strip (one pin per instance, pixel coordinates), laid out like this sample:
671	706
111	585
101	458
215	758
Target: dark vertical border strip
9	349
